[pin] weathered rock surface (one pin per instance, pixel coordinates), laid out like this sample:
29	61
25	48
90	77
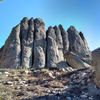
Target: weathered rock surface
78	44
96	64
75	61
31	46
10	53
39	43
61	62
26	43
51	48
39	57
65	38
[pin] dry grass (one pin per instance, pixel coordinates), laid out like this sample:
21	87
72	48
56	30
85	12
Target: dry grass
23	83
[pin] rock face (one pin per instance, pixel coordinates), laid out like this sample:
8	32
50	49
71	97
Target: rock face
51	48
96	63
39	43
26	36
78	44
31	46
11	51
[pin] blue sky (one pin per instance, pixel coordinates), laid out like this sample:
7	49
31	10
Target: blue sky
83	14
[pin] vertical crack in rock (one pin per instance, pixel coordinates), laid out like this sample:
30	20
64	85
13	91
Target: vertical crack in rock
24	48
59	43
27	33
39	43
20	36
1	49
30	42
65	39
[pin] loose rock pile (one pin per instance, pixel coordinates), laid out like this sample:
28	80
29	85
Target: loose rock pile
48	84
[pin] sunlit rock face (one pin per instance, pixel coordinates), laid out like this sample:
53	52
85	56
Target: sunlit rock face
78	44
30	45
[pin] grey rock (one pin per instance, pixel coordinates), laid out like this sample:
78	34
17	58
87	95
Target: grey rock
51	48
10	55
96	56
59	42
88	57
27	31
1	50
40	61
39	43
30	46
58	37
75	62
78	44
65	38
96	64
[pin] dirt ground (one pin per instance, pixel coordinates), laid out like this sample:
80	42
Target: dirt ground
24	84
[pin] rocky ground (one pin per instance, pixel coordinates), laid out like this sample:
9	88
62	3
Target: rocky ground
46	84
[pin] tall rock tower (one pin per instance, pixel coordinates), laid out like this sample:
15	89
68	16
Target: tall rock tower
31	46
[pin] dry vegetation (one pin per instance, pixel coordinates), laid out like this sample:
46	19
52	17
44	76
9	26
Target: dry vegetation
18	84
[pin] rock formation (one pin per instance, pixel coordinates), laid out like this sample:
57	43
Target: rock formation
39	44
78	44
96	64
75	61
10	52
31	46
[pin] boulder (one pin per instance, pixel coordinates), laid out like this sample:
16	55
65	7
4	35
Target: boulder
75	62
96	64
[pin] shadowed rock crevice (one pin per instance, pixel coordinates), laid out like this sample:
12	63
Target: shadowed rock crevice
82	36
31	46
20	37
30	39
64	35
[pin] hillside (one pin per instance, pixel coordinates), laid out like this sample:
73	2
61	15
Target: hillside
46	85
48	64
